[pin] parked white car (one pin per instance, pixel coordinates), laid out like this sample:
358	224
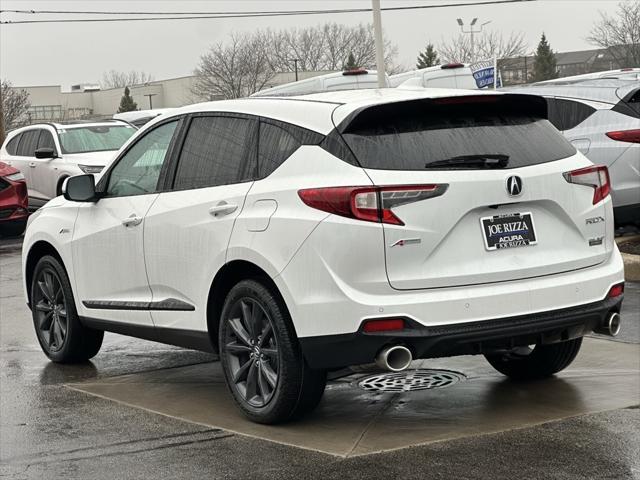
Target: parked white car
354	79
451	75
601	118
48	153
301	235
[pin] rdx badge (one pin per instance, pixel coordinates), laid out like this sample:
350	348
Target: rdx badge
592	220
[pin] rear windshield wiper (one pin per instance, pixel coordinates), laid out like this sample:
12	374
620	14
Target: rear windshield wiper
479	160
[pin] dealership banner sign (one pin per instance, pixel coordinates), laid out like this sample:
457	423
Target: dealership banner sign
484	73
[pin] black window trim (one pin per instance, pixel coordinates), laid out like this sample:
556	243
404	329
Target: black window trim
175	159
104	180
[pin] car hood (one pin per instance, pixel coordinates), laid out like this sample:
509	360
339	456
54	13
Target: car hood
7	169
91	158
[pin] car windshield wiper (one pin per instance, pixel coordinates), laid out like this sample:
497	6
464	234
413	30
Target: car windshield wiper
479	160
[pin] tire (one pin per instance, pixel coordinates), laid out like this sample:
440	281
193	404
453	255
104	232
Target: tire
61	335
14	228
541	362
263	364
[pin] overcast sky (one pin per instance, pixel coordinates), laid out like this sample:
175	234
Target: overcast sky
52	54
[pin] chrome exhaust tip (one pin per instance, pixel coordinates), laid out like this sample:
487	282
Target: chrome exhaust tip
395	358
611	326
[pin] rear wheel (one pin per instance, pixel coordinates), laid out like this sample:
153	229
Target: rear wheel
539	361
60	334
261	357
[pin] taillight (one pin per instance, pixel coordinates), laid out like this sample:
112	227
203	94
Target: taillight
372	204
596	177
631	136
616	290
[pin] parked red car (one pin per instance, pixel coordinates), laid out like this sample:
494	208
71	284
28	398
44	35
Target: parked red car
13	201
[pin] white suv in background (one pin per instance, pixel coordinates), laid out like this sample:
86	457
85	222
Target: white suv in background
48	153
301	235
601	118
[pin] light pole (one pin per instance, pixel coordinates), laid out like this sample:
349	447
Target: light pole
377	35
295	66
150	102
472	31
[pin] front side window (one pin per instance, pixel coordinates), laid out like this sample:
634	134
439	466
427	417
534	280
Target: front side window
216	151
46	140
28	143
99	138
138	171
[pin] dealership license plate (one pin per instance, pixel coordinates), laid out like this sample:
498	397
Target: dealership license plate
508	231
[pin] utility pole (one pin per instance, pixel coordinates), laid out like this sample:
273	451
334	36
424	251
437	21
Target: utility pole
295	66
150	102
377	33
472	31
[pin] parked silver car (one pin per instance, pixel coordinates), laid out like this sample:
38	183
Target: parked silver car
601	118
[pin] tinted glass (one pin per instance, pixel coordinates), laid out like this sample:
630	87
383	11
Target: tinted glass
568	114
138	171
46	140
94	139
28	143
215	152
12	146
274	146
452	135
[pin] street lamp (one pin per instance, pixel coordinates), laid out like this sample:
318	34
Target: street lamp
149	95
471	31
295	66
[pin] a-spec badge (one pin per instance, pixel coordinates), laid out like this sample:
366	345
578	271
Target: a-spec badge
406	241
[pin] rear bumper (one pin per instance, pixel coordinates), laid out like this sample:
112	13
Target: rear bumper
336	351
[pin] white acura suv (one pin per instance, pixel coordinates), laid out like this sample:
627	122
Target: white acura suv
300	235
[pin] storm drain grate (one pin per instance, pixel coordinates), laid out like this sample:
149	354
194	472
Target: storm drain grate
410	380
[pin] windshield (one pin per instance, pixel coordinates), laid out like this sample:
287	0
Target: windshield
97	138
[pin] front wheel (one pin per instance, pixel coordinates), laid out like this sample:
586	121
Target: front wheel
261	357
60	334
539	361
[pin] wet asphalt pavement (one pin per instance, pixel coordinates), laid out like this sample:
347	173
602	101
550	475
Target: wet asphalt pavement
50	431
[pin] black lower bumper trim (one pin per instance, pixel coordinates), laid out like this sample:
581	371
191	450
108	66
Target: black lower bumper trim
337	351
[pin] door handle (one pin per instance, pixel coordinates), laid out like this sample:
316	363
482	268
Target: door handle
32	164
223	208
132	221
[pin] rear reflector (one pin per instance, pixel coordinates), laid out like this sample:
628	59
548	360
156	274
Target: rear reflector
383	325
596	177
372	204
631	136
616	290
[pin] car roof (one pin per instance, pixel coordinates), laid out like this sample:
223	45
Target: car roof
604	90
319	112
69	125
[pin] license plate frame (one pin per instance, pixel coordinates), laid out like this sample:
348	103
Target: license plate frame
509	230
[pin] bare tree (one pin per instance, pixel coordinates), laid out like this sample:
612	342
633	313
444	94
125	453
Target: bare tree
116	79
620	34
487	45
233	70
325	47
14	104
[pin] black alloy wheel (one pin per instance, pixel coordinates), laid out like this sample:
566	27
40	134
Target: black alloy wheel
252	352
50	307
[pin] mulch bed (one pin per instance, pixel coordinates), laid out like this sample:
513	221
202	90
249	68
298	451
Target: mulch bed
632	247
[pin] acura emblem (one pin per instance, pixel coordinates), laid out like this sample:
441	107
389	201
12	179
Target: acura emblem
514	186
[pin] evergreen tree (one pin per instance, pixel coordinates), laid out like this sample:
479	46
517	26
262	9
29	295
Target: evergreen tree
351	63
126	102
428	58
544	63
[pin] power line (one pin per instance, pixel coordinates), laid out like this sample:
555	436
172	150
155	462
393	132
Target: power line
218	15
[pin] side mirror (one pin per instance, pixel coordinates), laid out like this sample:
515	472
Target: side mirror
81	188
46	152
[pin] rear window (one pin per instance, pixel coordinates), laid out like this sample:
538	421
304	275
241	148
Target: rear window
12	146
97	138
456	133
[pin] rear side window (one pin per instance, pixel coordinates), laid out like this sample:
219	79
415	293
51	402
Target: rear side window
629	105
568	114
216	151
12	146
457	133
28	143
277	142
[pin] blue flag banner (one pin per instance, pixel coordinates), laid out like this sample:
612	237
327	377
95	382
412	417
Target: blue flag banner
484	74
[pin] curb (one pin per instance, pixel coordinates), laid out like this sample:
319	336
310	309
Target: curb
631	262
